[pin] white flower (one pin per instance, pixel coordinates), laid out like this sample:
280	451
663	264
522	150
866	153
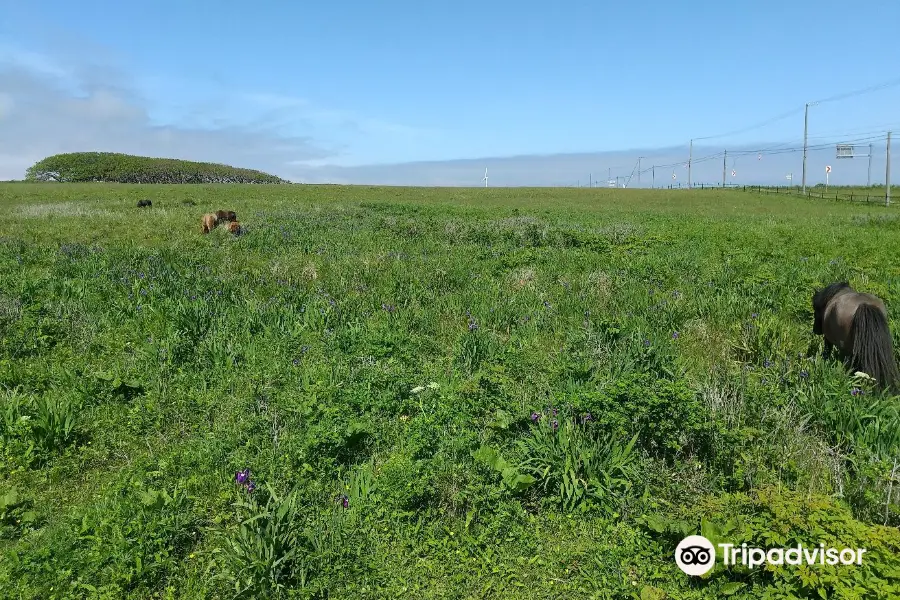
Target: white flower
417	389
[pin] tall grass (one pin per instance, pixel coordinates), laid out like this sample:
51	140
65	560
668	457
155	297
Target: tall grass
388	347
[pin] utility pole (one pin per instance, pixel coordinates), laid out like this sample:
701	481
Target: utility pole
653	176
869	178
608	175
887	174
639	170
724	162
591	180
690	158
805	130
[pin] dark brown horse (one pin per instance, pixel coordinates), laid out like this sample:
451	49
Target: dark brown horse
856	323
226	216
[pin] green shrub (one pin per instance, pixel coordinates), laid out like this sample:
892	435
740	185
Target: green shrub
125	168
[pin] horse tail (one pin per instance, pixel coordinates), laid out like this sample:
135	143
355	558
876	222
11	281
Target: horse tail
873	349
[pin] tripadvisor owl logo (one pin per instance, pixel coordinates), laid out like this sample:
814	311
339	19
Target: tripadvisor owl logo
696	555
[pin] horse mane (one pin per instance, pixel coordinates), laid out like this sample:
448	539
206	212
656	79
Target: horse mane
820	300
822	297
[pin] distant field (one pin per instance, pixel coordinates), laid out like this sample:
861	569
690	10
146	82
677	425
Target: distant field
439	393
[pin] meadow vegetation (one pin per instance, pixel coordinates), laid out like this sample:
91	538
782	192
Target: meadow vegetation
434	393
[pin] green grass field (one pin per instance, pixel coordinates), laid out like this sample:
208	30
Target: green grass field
439	393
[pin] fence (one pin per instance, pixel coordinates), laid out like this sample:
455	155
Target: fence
875	196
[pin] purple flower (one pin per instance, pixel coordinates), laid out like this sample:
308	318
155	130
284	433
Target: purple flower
647	343
242	477
675	335
251	486
754	315
554	424
804	374
856	392
767	363
343	500
535	416
586	417
473	325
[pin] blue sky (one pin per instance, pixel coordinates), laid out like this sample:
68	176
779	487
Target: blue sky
331	87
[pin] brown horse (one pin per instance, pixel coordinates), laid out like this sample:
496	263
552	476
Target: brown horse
857	324
209	222
236	228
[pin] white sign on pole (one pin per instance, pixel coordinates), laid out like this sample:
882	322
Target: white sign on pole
828	169
789	177
733	173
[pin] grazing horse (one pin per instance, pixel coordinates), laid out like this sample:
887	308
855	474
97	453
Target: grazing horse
236	228
143	203
209	222
226	215
857	324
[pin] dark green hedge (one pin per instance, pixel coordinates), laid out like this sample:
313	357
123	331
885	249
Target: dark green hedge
125	168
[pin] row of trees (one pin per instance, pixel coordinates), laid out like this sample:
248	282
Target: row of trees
125	168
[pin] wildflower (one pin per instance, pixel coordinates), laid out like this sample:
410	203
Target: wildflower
417	389
856	392
535	416
754	315
473	325
251	486
764	381
804	374
767	363
647	343
554	424
675	335
242	477
343	500
586	417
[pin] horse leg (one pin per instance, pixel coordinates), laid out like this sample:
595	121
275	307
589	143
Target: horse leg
826	353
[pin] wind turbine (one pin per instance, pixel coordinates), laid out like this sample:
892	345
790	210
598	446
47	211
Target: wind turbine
485	179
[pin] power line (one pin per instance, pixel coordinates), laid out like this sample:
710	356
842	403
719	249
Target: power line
799	109
752	127
769	151
871	88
